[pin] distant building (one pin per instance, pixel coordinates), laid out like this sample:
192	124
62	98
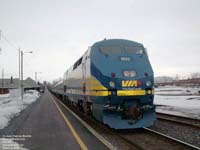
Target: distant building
30	84
163	79
7	84
186	82
11	83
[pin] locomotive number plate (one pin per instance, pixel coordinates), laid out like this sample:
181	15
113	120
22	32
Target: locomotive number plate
124	58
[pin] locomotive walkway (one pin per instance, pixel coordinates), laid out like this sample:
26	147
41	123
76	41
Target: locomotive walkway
49	127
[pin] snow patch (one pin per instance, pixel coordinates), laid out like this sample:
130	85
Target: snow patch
12	105
174	90
178	100
4	95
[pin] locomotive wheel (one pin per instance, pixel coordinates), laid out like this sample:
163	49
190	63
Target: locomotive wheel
87	108
80	105
90	109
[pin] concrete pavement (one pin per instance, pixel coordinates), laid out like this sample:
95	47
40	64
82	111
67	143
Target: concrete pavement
48	126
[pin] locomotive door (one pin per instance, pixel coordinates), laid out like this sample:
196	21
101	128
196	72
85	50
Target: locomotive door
84	74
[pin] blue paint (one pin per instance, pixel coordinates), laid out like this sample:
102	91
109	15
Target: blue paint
101	66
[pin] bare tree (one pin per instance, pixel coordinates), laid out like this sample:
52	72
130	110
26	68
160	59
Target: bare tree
195	75
54	82
177	77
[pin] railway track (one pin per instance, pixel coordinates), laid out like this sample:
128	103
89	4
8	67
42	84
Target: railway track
190	122
137	139
149	139
182	128
173	139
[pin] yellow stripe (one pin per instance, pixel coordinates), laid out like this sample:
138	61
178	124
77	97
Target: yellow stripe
152	92
98	93
119	93
100	87
130	92
78	139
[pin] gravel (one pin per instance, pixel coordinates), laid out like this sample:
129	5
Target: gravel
181	132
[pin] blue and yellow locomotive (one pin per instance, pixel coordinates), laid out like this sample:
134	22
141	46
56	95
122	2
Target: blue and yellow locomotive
113	81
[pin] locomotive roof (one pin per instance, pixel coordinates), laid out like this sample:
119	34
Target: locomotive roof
117	42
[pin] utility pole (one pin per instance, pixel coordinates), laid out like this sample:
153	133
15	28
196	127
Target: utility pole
19	68
22	82
36	77
0	40
36	80
22	86
2	91
2	69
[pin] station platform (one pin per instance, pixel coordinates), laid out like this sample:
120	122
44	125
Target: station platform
47	125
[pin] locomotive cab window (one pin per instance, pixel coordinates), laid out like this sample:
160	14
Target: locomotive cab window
134	50
110	50
75	66
78	62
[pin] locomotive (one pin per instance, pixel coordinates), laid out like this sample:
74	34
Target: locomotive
112	81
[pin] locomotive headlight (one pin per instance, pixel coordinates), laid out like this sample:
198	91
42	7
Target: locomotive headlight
149	91
112	84
129	73
148	83
132	73
126	73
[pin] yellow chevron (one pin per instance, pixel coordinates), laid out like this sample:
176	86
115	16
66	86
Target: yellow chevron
129	83
93	84
125	83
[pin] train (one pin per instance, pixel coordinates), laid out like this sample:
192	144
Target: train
113	81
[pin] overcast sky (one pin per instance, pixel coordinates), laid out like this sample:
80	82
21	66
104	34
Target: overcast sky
59	31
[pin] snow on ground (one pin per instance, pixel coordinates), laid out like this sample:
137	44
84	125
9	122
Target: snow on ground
174	90
4	95
178	100
11	105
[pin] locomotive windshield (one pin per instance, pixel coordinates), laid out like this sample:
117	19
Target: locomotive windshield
134	50
115	50
110	50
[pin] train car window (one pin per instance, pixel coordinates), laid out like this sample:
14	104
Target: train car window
134	50
75	65
79	61
110	50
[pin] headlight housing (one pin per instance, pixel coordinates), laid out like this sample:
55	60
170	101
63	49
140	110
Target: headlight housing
148	83
112	84
129	73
